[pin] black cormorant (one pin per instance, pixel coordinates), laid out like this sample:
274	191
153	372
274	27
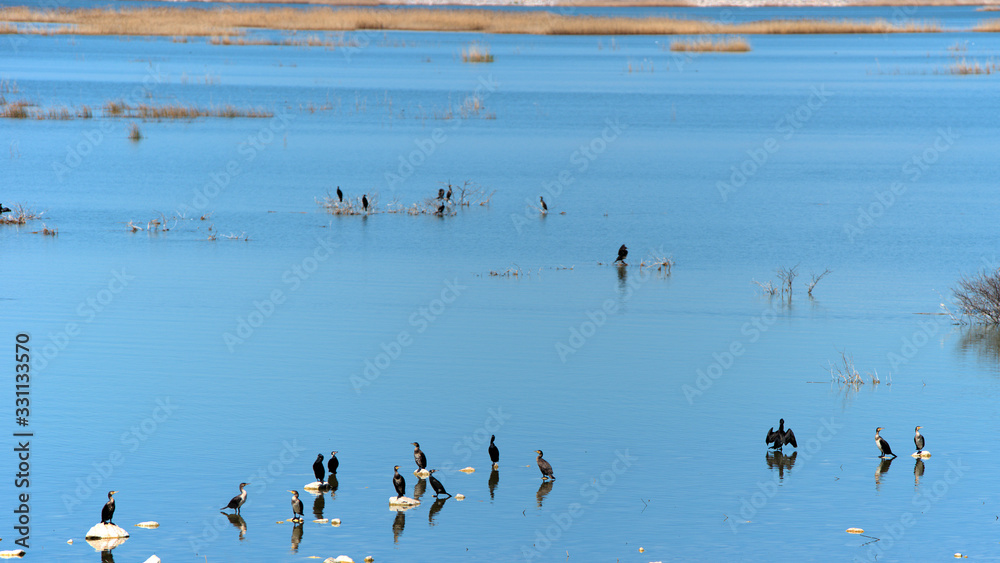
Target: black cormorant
918	440
4	209
237	501
494	452
545	208
109	509
448	195
364	202
883	446
622	253
419	457
296	505
398	482
440	210
544	466
441	193
333	463
318	470
340	195
780	437
437	486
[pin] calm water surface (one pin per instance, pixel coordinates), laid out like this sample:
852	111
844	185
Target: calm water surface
649	393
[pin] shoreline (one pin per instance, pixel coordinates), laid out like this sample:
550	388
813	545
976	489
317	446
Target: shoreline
556	4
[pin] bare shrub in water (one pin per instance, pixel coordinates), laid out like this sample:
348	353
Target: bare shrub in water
978	296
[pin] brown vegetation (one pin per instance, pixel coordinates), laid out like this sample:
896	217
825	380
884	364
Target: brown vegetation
477	53
978	297
722	44
169	21
18	215
992	25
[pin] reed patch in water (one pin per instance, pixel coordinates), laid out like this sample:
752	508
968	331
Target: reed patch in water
477	53
708	44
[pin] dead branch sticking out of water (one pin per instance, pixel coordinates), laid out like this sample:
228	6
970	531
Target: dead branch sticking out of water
19	215
662	264
815	280
47	231
848	375
978	297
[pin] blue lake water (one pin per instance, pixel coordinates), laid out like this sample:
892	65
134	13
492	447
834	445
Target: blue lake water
171	367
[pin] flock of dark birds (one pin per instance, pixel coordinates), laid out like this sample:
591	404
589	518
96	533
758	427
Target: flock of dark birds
319	471
783	437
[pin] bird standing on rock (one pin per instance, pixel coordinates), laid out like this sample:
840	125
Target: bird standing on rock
622	253
109	508
494	452
918	440
333	463
398	482
544	466
296	505
237	501
419	457
318	470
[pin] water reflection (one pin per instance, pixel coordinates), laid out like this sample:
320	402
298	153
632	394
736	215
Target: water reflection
296	536
983	341
397	526
435	508
883	467
494	481
107	557
918	472
238	522
777	459
419	488
319	503
543	490
622	280
332	483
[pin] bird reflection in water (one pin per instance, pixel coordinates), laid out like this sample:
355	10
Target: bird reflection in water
238	522
296	536
107	557
435	508
419	488
397	526
783	462
918	472
332	483
494	481
319	503
543	490
883	467
622	279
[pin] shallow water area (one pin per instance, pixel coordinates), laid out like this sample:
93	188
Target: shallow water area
251	330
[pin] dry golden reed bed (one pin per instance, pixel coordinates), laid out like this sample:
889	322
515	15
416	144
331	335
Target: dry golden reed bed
225	21
988	25
705	44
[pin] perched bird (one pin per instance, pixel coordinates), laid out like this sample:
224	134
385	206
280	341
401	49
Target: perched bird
494	452
364	202
440	210
296	505
333	463
781	436
883	446
918	440
448	195
419	457
318	469
545	208
237	501
4	209
109	508
398	482
544	466
622	253
340	195
437	486
441	193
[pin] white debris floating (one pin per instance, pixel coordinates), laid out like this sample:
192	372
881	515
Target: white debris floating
102	531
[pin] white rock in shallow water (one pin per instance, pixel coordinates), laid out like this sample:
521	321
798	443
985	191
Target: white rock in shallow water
369	559
403	501
105	544
924	454
338	559
152	559
459	496
101	531
468	470
149	524
422	473
335	522
7	553
315	486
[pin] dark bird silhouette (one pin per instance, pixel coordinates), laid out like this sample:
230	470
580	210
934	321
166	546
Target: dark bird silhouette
545	208
296	505
340	195
448	195
493	482
440	210
494	452
544	466
109	509
419	457
237	501
364	202
883	446
777	459
398	525
918	440
437	486
435	508
319	503
296	536
333	463
779	438
318	469
543	489
441	193
4	209
398	482
622	253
